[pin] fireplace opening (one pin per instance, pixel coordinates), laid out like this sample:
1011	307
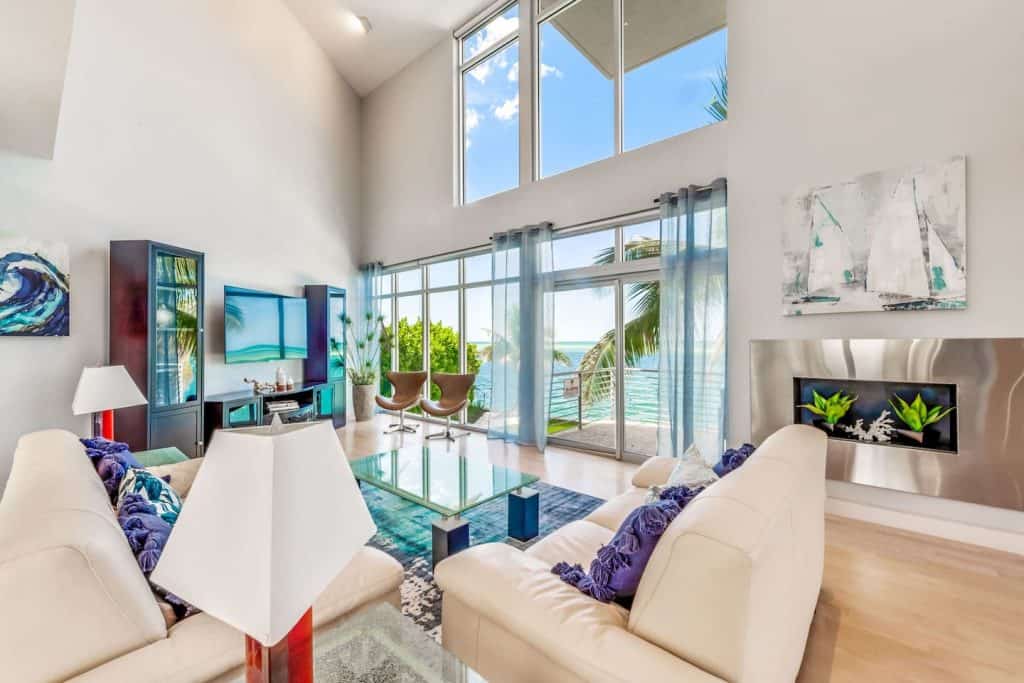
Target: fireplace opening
904	414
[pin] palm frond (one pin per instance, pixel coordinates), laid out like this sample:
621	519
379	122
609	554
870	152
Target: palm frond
718	109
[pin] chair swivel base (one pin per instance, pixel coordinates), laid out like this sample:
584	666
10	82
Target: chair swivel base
400	426
447	434
397	427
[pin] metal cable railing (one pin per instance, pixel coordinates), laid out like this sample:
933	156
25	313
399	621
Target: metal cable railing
568	406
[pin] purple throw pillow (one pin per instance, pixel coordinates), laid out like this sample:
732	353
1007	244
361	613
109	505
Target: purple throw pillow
111	459
98	447
733	458
616	571
147	534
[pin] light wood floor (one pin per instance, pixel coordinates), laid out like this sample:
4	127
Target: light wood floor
895	606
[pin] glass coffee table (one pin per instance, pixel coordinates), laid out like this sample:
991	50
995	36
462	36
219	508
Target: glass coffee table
450	484
379	645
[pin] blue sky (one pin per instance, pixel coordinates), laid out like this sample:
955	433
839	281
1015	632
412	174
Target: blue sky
664	97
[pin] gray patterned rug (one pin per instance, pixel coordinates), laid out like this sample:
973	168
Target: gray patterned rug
404	533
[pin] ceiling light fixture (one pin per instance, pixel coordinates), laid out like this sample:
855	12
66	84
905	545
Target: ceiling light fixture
359	24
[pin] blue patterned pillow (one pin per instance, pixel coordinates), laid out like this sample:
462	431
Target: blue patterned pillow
154	491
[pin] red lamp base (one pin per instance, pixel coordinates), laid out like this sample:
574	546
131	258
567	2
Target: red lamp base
289	661
107	421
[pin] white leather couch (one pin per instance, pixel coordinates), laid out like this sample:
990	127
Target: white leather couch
74	604
728	594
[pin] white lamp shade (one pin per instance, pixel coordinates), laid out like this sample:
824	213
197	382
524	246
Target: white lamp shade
274	515
105	388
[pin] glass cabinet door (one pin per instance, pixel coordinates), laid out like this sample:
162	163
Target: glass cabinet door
336	330
243	416
177	329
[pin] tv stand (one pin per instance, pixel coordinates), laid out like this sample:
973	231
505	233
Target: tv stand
247	409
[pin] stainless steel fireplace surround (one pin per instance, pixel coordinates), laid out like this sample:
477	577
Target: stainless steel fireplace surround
988	467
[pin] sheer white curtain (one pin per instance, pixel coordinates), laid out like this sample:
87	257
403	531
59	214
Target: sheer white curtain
522	334
693	319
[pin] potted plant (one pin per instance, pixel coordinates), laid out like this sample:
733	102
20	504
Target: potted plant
360	359
918	417
831	409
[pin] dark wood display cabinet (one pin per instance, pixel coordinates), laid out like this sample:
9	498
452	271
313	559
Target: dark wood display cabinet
326	308
156	332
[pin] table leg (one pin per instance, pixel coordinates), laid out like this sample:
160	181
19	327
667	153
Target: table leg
524	514
450	535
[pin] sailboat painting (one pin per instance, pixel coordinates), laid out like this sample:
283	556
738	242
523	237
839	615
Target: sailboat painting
887	241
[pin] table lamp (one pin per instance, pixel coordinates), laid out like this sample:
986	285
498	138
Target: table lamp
103	390
274	515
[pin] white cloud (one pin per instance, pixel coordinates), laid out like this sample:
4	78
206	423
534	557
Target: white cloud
469	122
548	70
481	72
491	34
513	73
472	119
508	109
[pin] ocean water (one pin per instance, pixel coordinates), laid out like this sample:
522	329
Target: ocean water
641	393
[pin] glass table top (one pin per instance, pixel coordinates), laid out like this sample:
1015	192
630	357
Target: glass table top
379	645
447	483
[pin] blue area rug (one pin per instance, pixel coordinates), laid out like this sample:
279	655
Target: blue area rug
404	533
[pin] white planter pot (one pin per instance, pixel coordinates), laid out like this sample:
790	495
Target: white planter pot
362	401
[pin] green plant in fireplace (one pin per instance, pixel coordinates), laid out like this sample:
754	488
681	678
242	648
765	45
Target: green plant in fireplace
917	415
831	409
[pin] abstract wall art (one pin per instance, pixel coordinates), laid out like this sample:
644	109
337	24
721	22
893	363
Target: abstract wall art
887	241
35	282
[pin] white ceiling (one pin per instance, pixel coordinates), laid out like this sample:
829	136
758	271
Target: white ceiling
402	31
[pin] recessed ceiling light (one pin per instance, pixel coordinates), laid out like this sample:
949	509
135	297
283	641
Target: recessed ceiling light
358	24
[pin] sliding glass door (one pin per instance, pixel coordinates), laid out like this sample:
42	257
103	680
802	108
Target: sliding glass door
604	393
583	397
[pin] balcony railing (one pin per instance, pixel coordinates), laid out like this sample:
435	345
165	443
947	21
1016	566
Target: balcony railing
569	410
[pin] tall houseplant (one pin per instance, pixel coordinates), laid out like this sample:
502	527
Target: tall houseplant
360	359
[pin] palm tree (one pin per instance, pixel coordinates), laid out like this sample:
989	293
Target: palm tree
718	110
639	335
486	353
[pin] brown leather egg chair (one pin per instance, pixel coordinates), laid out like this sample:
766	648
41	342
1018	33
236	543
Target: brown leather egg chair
408	390
454	396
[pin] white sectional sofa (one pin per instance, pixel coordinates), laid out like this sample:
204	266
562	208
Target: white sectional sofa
75	605
728	595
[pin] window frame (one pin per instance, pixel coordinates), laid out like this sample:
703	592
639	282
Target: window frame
531	17
463	67
540	17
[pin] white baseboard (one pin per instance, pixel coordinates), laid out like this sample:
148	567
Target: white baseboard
996	539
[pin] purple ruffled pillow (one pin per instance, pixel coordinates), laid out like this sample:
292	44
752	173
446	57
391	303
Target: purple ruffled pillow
147	534
616	571
111	459
733	458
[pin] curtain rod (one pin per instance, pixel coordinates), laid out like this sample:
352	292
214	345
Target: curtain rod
702	188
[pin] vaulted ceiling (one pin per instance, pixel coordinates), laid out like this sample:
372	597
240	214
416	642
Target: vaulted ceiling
402	31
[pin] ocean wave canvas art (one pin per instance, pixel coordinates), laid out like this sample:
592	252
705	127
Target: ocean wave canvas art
35	288
886	241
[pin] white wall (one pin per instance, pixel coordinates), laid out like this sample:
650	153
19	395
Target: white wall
33	58
217	125
820	91
408	161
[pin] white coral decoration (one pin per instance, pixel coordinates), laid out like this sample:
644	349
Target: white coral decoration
880	429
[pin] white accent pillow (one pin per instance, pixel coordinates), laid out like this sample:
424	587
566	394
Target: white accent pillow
691	471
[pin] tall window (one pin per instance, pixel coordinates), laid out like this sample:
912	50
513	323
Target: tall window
454	297
609	76
674	68
607	290
614	75
489	106
577	86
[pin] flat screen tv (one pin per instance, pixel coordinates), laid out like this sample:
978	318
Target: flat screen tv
261	326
